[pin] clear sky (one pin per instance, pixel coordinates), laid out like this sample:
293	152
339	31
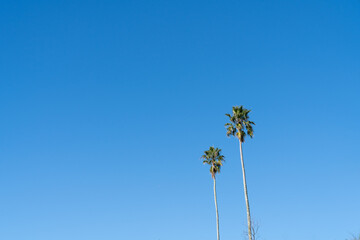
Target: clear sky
107	106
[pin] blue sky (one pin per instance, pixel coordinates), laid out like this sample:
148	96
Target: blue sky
107	107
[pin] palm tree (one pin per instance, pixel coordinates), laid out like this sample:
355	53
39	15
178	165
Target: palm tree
240	126
214	158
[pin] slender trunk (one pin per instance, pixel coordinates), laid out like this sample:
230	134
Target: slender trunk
245	192
217	213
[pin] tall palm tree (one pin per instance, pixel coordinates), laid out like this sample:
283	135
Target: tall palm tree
214	158
240	126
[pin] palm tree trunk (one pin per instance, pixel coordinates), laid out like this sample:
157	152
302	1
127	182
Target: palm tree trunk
217	213
245	192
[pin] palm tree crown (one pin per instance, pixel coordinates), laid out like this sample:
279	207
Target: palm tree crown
239	124
214	158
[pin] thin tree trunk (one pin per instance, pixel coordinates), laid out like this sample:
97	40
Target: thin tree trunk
245	192
217	213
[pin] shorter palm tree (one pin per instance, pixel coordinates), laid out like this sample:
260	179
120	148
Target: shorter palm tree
214	158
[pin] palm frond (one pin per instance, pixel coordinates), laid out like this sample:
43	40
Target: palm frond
249	130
